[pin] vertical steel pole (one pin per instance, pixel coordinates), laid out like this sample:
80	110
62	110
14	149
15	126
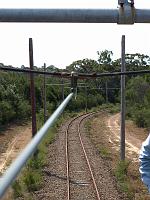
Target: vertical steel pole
86	97
122	133
62	91
62	88
32	88
106	88
44	95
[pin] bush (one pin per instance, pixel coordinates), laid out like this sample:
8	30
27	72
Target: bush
6	112
139	119
23	110
142	117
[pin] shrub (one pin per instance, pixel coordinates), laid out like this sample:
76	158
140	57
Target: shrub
17	189
32	180
123	180
6	112
23	110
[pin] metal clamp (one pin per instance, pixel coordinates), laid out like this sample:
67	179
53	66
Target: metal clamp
122	2
74	78
126	12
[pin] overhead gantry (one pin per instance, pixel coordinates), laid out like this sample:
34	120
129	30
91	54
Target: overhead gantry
125	13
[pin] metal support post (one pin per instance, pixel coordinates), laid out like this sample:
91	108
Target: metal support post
106	88
32	88
86	98
62	88
44	95
74	78
122	133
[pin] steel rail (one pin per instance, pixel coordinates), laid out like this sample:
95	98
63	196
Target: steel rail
67	156
20	161
86	157
126	15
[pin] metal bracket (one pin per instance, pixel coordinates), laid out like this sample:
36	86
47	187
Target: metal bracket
74	78
126	12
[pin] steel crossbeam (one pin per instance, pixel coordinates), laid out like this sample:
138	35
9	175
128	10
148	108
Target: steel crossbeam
126	14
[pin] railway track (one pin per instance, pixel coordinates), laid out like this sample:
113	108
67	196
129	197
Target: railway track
75	170
81	182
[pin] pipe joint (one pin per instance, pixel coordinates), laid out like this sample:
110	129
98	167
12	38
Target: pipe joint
126	12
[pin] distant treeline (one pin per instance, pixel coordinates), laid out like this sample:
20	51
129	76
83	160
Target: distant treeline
15	89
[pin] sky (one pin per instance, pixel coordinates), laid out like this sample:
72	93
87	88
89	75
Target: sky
60	44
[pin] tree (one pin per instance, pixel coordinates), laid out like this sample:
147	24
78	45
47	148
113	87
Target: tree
83	66
138	101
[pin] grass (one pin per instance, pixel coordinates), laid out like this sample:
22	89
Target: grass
17	189
111	108
88	126
121	174
104	152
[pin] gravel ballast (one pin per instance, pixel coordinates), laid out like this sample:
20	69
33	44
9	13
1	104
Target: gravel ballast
54	185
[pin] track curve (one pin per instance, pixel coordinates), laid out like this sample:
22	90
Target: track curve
78	184
79	120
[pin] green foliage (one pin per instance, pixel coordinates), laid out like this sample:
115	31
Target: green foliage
111	108
142	117
121	170
105	57
83	66
7	112
104	152
17	189
88	126
14	103
24	109
32	180
15	89
122	178
138	104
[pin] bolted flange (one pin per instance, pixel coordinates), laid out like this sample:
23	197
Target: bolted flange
126	12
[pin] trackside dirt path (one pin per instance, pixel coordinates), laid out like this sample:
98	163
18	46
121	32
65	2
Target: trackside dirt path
104	131
133	141
13	141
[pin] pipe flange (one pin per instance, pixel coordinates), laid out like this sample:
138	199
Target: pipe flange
126	14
